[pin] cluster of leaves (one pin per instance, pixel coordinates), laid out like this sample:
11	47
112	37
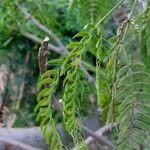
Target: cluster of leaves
73	95
122	94
49	79
123	97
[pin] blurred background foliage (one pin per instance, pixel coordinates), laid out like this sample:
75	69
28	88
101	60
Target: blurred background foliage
19	54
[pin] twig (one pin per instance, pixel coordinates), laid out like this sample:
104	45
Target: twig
41	55
98	137
110	12
40	26
18	144
42	62
38	40
99	133
129	19
33	135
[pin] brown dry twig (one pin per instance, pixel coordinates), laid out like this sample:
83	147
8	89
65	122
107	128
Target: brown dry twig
18	144
42	68
41	26
99	136
38	40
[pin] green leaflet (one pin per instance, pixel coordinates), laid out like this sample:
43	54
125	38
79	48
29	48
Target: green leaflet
134	76
133	66
48	73
81	34
43	82
41	93
42	102
89	26
72	55
54	61
123	92
76	62
113	40
42	113
74	45
65	66
44	121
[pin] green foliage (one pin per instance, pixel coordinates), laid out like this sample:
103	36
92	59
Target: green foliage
123	95
73	91
124	98
121	92
90	11
49	80
73	94
74	88
122	84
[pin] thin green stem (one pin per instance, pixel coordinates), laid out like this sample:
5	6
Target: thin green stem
130	16
110	12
